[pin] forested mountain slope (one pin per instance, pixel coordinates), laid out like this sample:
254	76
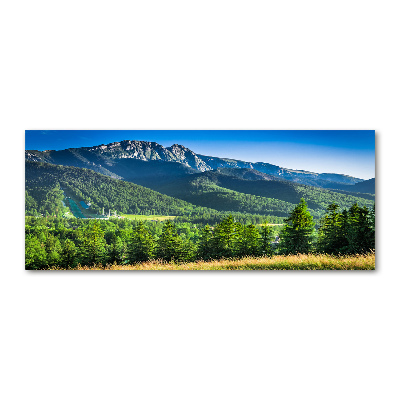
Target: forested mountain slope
367	186
247	190
43	184
101	190
112	159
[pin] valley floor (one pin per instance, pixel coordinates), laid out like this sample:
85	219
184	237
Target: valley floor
295	262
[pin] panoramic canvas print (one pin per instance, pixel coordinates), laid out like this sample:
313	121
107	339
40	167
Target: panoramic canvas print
199	200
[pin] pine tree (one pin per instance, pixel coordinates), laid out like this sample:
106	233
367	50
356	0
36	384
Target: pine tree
266	239
360	232
169	245
249	242
372	228
188	251
297	235
332	238
349	232
35	253
115	249
206	245
30	205
141	244
94	244
53	250
68	254
343	232
226	238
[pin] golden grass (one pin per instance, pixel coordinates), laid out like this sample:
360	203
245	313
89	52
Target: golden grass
295	262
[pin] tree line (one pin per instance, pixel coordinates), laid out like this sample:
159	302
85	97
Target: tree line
49	242
350	231
96	242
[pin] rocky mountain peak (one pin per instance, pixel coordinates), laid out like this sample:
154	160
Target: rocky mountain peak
110	154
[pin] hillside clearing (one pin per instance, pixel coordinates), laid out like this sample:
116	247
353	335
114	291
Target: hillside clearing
148	217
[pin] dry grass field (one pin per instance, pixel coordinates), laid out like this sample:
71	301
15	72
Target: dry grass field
295	262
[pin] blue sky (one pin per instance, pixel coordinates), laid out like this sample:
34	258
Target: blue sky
345	152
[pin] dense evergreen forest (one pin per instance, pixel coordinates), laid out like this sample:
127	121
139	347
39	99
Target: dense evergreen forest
100	190
244	190
45	185
64	242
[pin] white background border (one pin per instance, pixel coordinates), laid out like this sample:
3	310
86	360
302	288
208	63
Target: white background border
199	65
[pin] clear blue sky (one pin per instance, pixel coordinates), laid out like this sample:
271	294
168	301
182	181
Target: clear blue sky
345	152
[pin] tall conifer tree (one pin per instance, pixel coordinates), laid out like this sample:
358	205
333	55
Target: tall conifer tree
169	245
332	236
68	254
266	239
206	245
249	244
141	244
361	236
297	235
115	249
226	238
94	244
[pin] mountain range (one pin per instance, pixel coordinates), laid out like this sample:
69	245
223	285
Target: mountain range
187	181
122	160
